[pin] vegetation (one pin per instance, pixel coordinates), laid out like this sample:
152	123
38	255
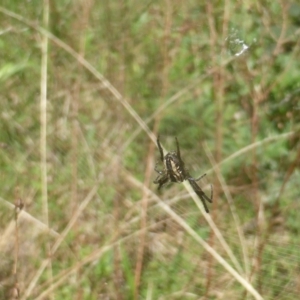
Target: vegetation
86	86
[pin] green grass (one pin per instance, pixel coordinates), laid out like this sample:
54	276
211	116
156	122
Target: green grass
179	59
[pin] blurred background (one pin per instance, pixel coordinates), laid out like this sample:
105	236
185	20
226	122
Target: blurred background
86	87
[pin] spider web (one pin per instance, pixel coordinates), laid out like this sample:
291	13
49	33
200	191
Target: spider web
276	276
174	264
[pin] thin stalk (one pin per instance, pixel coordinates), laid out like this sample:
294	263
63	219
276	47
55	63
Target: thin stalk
43	115
233	212
43	129
15	289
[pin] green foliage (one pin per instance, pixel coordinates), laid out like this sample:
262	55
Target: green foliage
220	76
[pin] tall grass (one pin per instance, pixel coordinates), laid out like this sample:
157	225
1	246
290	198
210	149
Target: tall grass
222	77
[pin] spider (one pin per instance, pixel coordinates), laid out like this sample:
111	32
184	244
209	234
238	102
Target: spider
175	171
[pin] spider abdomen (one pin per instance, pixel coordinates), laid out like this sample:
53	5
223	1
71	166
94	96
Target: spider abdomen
173	167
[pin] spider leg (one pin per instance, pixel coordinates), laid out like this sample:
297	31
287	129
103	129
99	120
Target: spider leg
161	180
211	189
161	151
178	152
200	194
211	193
184	173
197	179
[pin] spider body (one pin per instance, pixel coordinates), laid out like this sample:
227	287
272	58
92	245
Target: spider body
174	167
175	171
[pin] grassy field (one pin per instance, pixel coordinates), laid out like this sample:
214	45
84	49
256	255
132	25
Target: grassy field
86	88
